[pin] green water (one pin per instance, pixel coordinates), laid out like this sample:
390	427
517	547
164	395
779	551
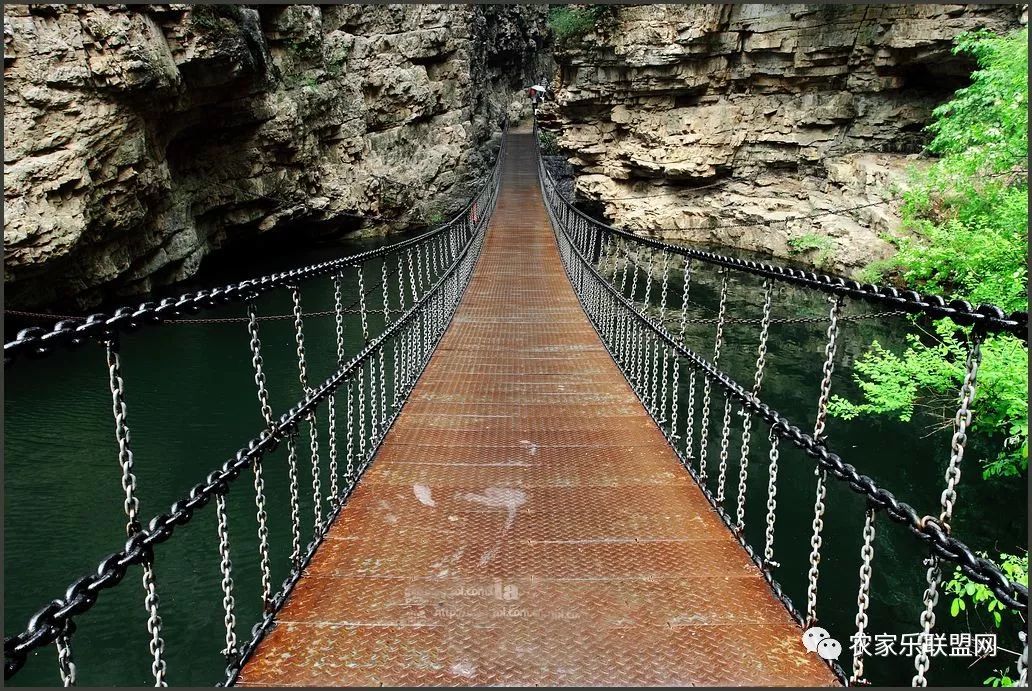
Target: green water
191	404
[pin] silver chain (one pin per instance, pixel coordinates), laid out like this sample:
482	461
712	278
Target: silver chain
863	598
295	510
725	438
331	403
65	662
930	598
349	471
706	385
259	479
818	431
361	415
131	505
226	567
961	421
157	645
761	360
313	431
772	501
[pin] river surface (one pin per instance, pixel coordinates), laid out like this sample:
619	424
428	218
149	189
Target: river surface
191	404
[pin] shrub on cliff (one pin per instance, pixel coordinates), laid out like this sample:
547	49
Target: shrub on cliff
573	21
967	218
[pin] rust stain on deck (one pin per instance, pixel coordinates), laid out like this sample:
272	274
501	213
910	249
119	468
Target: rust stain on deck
525	522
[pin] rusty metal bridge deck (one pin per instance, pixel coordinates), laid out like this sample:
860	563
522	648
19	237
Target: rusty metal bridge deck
525	522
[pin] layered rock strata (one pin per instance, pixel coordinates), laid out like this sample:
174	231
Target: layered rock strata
721	123
138	139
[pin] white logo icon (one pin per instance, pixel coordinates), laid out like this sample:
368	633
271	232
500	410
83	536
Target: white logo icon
813	636
829	649
818	640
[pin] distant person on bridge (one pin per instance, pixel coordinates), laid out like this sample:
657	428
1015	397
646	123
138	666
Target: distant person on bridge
536	94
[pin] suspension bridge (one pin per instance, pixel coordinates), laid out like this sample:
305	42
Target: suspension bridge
528	472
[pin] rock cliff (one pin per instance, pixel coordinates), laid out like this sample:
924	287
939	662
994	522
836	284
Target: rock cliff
719	123
140	138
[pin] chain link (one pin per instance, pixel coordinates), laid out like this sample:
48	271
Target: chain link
718	340
157	644
818	435
313	431
259	479
863	598
961	422
226	568
131	504
65	662
295	508
54	623
772	501
761	360
725	438
930	599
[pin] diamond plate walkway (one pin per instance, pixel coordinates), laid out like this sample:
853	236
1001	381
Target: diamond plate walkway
525	521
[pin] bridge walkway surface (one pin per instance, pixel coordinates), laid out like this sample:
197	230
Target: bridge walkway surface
525	521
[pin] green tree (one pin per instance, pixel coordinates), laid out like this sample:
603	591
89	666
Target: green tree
965	235
965	223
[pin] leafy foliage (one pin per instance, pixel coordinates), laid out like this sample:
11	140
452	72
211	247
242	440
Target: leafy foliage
812	242
965	591
966	219
573	21
549	143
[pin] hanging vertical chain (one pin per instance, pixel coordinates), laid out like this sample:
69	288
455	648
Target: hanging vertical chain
689	418
65	662
331	403
706	385
349	471
662	315
863	598
313	431
259	479
386	323
295	508
761	360
725	438
400	340
961	422
818	434
131	504
157	644
226	568
772	502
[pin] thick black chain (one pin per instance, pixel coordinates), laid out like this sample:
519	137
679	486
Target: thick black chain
97	328
928	529
50	621
989	317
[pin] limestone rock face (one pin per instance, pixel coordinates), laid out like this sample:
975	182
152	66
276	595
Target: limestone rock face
703	119
140	138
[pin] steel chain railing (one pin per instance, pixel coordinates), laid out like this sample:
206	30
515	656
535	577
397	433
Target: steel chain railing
444	259
629	326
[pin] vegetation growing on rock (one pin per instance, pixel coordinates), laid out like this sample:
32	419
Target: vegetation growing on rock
968	221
